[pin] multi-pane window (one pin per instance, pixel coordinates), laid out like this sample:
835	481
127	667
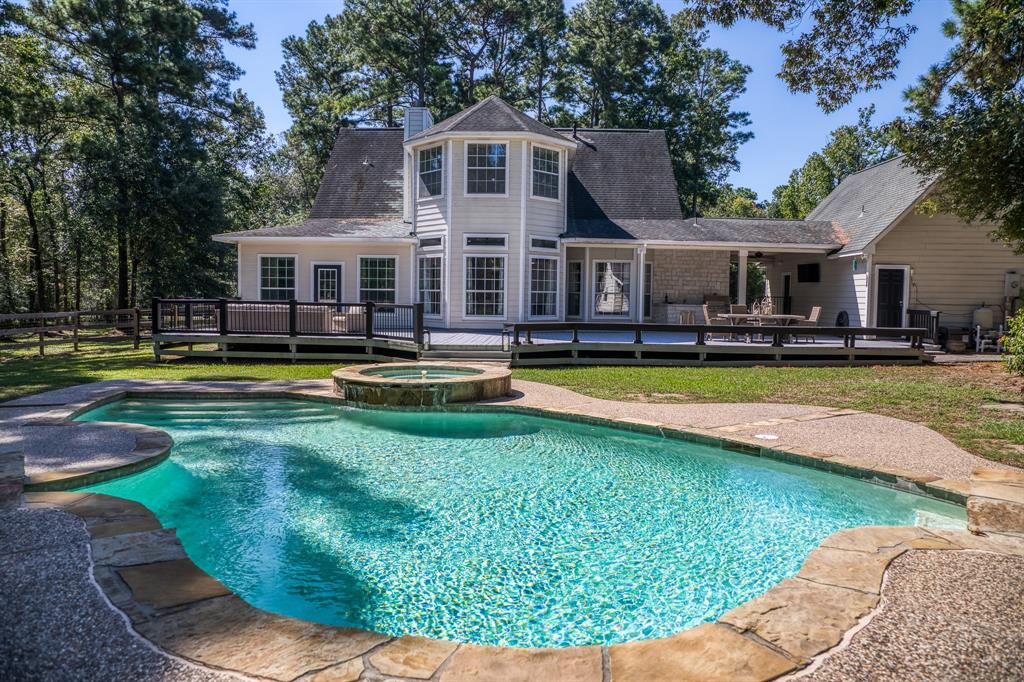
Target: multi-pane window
485	168
611	288
648	288
277	278
377	279
545	173
544	243
431	166
431	243
543	287
430	284
485	286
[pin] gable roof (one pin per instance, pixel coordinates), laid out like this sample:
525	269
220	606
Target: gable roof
363	175
490	115
622	174
867	202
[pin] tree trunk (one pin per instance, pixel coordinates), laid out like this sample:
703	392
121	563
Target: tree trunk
78	274
5	270
36	262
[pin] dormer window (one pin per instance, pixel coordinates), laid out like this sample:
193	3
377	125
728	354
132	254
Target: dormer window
431	166
485	168
545	173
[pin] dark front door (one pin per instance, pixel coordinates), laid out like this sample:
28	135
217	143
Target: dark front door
327	283
890	297
787	298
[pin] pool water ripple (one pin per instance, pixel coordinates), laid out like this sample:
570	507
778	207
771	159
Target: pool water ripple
496	529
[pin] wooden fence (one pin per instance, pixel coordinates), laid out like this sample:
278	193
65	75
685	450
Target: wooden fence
39	330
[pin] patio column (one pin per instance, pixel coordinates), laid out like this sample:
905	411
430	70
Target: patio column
741	279
641	259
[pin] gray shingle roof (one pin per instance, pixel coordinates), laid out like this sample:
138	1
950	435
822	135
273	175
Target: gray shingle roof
363	176
368	228
622	174
491	115
867	202
728	230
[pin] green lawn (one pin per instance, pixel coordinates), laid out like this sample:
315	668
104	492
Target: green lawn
948	399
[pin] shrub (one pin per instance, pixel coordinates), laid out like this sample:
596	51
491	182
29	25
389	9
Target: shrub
1014	343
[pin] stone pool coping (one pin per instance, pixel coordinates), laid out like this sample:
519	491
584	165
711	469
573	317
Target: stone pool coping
144	571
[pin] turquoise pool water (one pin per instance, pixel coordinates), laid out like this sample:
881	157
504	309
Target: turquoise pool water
415	373
488	528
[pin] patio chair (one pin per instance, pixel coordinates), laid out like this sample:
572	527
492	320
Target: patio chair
811	321
715	322
738	309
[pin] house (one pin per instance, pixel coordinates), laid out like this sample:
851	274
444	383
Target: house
490	217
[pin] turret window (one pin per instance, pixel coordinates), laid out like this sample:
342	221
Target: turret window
485	168
545	173
431	171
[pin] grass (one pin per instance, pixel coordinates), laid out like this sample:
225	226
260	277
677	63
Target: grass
948	399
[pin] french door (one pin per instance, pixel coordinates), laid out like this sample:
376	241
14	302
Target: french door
327	283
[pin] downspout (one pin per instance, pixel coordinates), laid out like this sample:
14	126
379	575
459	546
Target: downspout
449	164
522	235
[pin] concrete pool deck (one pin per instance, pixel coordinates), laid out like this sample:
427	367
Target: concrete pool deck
186	625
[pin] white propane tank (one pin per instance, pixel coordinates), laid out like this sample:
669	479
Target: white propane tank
985	318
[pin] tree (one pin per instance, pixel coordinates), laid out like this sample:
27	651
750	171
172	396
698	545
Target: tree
851	45
544	53
613	50
967	115
736	202
693	98
850	148
487	39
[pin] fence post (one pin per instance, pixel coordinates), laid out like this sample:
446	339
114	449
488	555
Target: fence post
136	314
42	336
77	317
293	317
222	310
369	319
417	323
638	334
156	316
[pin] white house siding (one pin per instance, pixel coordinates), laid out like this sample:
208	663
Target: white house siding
841	287
307	253
955	268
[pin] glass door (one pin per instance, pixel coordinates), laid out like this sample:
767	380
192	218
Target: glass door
611	288
327	283
574	289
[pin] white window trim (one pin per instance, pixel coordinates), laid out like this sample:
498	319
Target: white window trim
416	165
874	291
359	275
592	295
259	273
440	256
545	249
313	283
465	291
489	235
529	285
429	249
465	168
533	195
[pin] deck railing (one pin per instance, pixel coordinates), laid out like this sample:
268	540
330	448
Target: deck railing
929	319
780	335
229	317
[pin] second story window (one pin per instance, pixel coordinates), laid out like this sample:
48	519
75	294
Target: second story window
485	168
545	173
431	166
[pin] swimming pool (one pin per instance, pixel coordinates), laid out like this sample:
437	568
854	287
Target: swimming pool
489	528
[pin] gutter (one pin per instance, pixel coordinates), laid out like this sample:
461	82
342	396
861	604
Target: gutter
228	238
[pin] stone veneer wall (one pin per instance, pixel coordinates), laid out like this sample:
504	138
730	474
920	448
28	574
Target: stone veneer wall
687	276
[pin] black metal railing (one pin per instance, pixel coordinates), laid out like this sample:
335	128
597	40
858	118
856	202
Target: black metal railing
929	319
226	317
780	334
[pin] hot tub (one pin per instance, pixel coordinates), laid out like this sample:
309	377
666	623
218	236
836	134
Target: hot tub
420	383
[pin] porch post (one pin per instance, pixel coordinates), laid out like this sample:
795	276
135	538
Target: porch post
642	258
741	279
586	296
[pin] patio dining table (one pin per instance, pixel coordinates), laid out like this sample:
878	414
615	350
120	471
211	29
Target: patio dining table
761	319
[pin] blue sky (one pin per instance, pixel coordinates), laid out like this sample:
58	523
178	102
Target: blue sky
787	127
